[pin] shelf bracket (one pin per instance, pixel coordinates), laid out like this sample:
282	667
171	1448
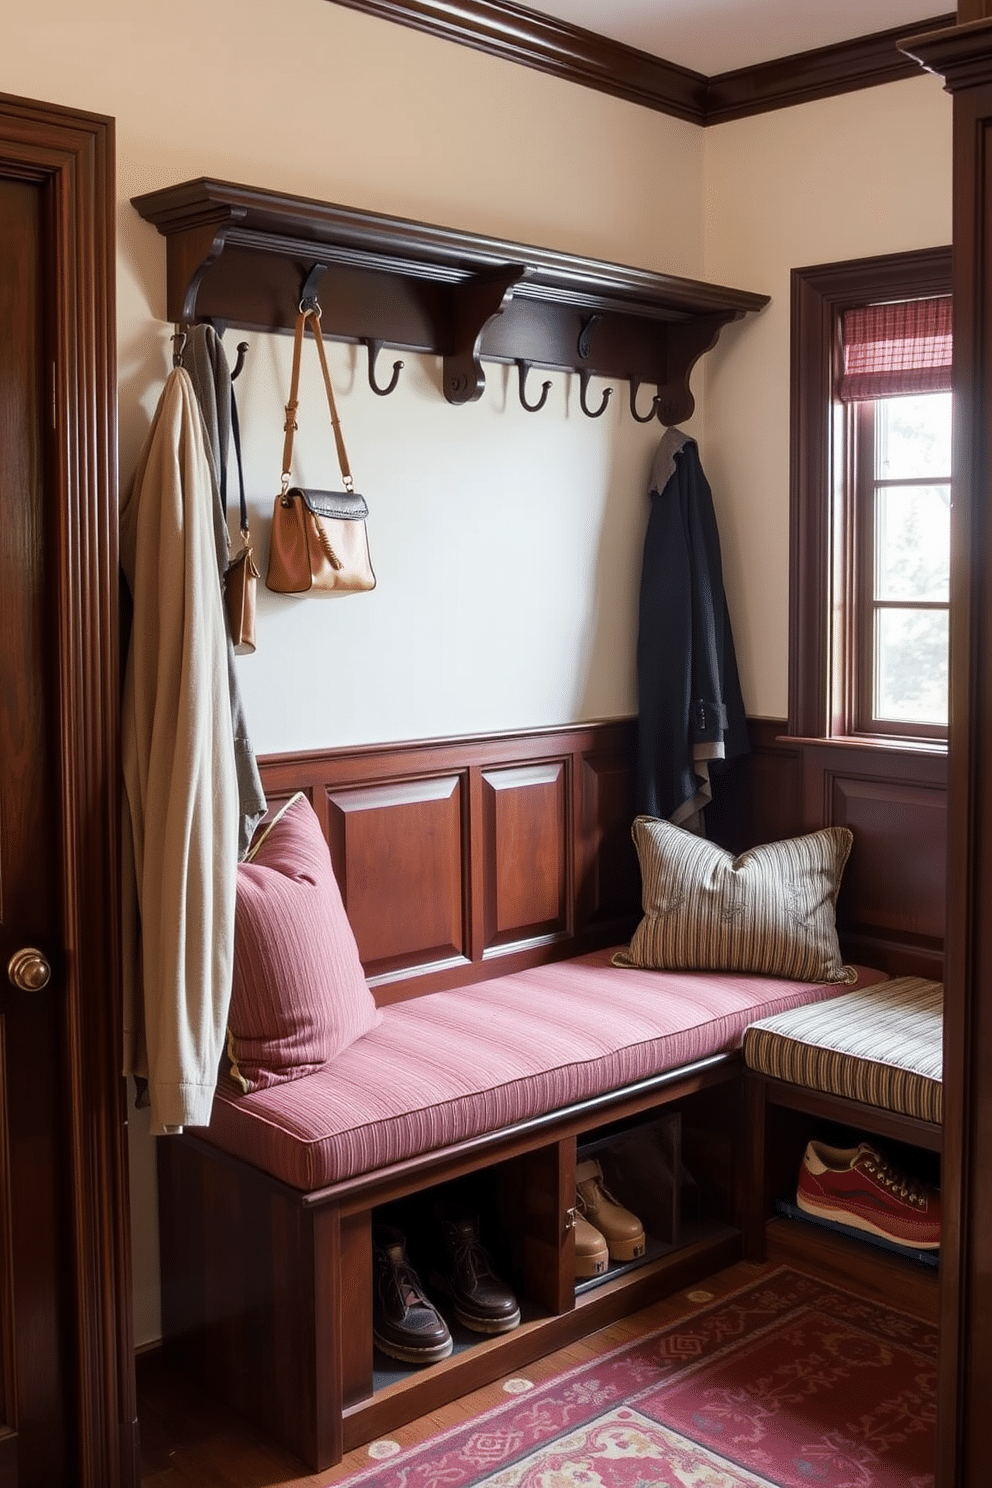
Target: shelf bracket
687	343
476	301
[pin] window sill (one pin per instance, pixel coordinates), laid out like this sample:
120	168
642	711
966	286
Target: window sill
871	743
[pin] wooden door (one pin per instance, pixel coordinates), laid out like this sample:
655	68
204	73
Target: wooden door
66	1374
35	1225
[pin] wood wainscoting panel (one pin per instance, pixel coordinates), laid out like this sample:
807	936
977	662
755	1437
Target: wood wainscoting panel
469	857
609	879
526	854
893	898
397	850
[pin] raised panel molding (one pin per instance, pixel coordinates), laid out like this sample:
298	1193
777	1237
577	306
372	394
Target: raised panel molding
427	838
397	853
525	819
609	878
893	900
897	889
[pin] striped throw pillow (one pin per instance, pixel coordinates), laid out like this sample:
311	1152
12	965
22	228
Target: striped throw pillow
769	911
299	994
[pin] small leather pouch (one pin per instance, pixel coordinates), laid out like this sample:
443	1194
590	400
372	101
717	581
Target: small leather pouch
239	597
241	576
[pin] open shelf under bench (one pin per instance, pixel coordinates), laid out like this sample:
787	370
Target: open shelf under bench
267	1292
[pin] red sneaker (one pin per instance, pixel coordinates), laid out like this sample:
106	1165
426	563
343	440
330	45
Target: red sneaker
856	1186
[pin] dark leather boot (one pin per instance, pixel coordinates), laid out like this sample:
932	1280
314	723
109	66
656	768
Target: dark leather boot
404	1323
464	1272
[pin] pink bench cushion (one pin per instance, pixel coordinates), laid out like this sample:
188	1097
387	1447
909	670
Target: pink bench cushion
451	1065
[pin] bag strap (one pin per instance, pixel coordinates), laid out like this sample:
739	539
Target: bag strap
236	432
312	313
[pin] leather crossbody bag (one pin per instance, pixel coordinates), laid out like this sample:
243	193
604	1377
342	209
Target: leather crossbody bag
319	538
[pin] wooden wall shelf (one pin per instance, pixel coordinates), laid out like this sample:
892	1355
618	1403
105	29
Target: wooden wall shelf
241	256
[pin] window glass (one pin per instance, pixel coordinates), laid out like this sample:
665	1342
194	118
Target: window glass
906	560
911	666
913	437
912	542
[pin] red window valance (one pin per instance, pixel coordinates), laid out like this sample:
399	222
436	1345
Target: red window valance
902	347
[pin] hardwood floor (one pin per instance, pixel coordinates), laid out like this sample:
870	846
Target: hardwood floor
188	1441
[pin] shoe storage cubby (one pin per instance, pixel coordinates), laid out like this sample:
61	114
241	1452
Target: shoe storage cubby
269	1293
781	1121
675	1168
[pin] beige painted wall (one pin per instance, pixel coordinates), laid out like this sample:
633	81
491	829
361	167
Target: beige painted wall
507	545
846	177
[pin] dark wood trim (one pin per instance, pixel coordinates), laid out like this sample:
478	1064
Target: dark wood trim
245	257
865	62
441	904
519	34
72	155
818	294
964	56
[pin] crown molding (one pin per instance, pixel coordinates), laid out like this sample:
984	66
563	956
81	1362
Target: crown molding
518	34
865	62
960	54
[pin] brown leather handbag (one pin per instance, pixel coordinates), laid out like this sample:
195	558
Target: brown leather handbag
319	538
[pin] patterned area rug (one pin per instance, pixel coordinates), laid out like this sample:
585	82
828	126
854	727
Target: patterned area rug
787	1383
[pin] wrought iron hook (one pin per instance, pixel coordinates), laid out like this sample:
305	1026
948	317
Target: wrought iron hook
374	347
243	350
642	418
584	377
522	370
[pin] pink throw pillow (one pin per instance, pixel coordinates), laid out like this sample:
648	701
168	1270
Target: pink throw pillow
299	994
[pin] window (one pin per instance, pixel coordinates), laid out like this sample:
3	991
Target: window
899	605
871	499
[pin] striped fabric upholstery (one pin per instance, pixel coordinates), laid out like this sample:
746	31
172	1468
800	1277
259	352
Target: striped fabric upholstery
882	1045
299	994
770	910
451	1065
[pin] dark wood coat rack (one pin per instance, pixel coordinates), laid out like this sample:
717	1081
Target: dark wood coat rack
245	257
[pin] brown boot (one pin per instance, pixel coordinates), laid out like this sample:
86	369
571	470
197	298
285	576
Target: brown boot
623	1231
592	1253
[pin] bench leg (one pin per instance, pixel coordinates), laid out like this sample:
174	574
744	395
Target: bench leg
754	1186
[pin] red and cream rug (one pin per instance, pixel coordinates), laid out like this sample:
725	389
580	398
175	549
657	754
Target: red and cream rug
788	1383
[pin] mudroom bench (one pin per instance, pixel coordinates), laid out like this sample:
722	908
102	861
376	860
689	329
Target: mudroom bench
491	1092
865	1067
487	884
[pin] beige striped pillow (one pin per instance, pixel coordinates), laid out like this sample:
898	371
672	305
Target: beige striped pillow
769	911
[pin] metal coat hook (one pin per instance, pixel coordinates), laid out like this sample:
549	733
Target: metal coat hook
243	350
588	326
522	370
178	346
642	418
374	347
584	377
311	284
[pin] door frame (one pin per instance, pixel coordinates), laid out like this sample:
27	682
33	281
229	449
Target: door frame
70	155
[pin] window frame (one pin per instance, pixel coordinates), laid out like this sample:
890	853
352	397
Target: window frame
821	634
861	514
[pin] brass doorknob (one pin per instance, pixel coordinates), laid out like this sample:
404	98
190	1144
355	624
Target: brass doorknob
29	970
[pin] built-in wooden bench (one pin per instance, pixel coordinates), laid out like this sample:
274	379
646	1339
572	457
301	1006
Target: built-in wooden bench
460	863
866	1066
